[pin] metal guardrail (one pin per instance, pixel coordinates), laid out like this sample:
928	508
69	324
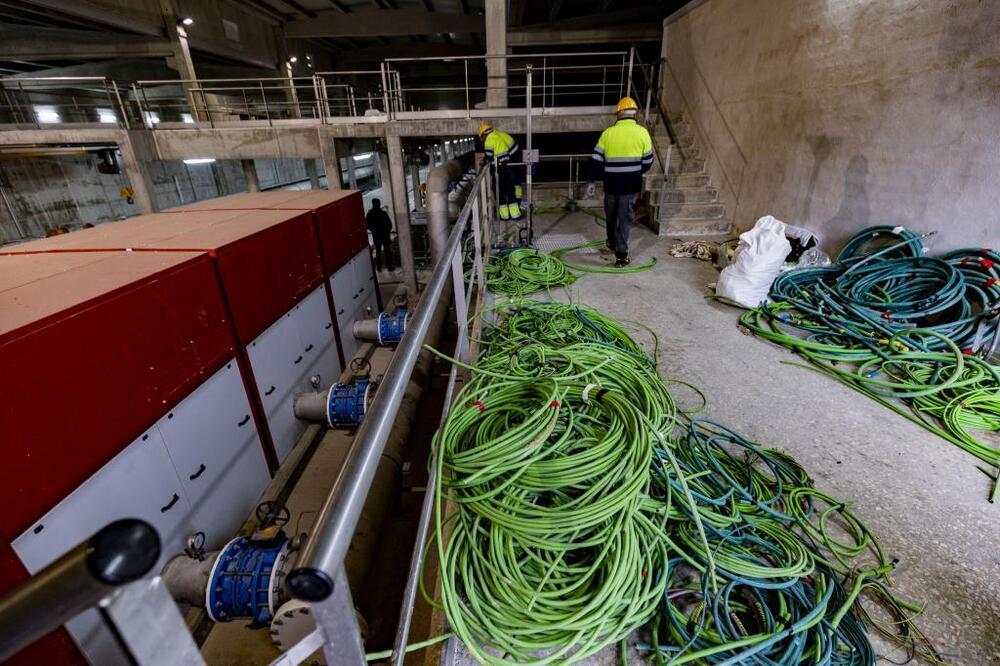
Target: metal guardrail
108	570
319	574
393	91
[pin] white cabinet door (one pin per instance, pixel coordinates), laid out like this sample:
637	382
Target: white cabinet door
213	444
140	482
277	360
363	276
344	289
312	316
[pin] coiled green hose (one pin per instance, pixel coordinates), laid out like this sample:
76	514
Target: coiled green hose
576	504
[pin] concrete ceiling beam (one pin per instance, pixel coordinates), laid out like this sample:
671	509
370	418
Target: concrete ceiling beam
375	22
43	43
617	35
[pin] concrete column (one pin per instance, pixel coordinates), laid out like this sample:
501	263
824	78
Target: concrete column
182	59
138	176
331	163
383	169
401	211
496	44
313	174
352	177
415	177
250	174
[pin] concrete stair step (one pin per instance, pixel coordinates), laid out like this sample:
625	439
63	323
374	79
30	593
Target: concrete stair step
696	228
692	211
691	165
689	195
688	179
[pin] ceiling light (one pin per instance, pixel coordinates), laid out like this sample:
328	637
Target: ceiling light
293	59
199	160
185	20
47	114
106	116
151	117
362	157
187	118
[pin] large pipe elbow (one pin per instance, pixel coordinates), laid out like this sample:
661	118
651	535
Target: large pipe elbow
438	213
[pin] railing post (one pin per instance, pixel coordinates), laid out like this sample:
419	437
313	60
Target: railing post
121	107
341	633
631	59
263	97
529	164
152	629
461	307
468	110
385	91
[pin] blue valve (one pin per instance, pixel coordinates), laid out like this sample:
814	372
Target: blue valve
392	327
243	583
346	403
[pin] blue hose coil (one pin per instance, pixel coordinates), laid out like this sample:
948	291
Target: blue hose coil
392	327
345	403
241	584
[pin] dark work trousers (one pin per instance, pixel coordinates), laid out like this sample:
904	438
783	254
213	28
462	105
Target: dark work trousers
383	252
507	178
619	213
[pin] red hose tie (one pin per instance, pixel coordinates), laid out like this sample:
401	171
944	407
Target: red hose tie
967	351
554	403
987	263
480	406
989	283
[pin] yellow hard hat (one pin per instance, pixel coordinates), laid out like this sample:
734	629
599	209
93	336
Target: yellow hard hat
626	104
486	127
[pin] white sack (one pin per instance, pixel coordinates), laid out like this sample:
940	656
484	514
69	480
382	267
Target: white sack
759	258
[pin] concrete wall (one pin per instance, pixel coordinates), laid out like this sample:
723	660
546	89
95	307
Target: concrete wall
49	192
839	115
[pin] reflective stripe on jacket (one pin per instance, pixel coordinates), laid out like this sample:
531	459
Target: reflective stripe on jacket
623	153
500	146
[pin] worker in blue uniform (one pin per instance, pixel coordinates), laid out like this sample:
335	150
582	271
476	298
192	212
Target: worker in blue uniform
622	154
501	148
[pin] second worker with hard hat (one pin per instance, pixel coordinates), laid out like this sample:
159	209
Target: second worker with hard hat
622	154
501	148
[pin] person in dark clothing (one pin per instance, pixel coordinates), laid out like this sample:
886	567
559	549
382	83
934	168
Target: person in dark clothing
381	227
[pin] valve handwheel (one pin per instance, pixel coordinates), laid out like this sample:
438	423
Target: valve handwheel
360	367
271	513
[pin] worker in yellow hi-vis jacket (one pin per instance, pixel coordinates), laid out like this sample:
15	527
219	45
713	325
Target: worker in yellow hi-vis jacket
623	153
501	148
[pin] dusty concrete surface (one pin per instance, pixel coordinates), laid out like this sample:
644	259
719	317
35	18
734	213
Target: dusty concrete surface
839	115
921	495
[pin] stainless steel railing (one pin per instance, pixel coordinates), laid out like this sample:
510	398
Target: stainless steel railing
106	570
396	90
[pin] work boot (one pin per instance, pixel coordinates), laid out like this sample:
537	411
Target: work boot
622	262
514	211
606	249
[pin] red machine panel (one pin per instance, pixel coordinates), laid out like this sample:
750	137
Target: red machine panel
95	346
339	216
268	259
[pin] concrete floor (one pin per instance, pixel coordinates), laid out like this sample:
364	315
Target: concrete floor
921	495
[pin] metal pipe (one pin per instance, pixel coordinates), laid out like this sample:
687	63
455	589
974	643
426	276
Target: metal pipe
366	329
120	553
312	579
438	218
